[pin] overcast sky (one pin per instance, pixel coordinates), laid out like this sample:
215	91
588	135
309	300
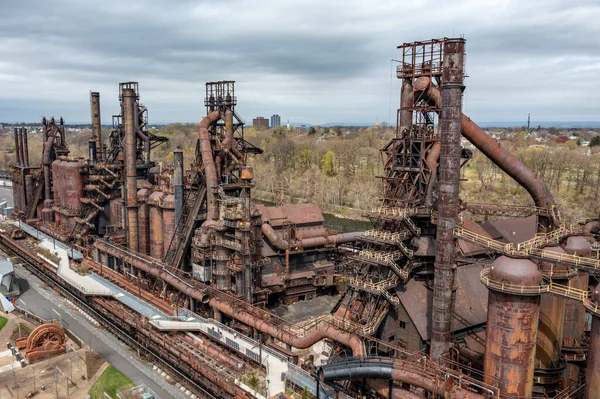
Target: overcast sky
313	61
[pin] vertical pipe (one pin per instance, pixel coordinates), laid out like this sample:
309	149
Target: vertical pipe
451	112
96	123
592	376
178	182
129	115
17	151
21	145
25	148
49	136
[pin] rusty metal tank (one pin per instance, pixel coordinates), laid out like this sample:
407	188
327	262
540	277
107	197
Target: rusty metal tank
574	325
143	221
115	216
512	327
169	222
592	376
156	224
73	184
550	329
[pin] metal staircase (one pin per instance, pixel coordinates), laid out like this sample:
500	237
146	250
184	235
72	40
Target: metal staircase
185	227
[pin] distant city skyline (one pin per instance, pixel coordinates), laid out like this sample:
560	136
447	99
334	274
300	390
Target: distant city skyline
325	62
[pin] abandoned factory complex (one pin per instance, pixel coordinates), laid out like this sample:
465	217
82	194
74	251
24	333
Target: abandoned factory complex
441	298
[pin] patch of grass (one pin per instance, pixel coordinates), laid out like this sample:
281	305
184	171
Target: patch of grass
3	321
110	380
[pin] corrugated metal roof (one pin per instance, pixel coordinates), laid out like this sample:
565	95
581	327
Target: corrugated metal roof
471	301
297	214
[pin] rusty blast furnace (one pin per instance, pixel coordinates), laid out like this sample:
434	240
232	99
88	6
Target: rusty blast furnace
440	299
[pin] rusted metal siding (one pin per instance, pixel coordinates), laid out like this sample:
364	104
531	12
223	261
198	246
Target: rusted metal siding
449	181
512	329
592	376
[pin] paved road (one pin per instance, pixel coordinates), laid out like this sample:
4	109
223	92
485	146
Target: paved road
43	301
6	194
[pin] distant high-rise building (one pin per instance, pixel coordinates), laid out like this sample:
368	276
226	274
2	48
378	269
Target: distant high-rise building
275	121
260	121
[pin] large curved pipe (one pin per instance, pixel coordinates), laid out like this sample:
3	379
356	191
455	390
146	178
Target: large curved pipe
491	148
334	239
397	370
290	337
267	327
208	162
591	227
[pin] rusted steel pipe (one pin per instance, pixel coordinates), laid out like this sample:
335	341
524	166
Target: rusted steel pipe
212	350
96	123
209	162
19	161
449	182
265	326
129	115
492	149
432	163
21	146
25	147
592	376
334	239
406	103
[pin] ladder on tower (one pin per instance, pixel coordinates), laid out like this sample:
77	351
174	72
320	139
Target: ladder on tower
185	227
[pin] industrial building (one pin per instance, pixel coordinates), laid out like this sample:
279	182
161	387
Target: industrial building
260	121
186	267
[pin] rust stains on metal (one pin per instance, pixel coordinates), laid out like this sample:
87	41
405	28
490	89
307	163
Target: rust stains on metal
512	326
96	124
129	119
592	376
449	179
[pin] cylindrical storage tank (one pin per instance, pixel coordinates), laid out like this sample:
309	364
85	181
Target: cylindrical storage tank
550	327
574	326
143	221
592	376
169	222
57	182
512	326
156	224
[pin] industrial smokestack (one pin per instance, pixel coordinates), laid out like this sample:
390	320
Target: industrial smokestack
178	180
449	179
129	115
96	123
17	145
25	148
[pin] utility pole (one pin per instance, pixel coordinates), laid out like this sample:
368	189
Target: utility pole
528	123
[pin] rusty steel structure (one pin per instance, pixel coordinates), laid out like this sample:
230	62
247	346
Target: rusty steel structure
431	303
44	341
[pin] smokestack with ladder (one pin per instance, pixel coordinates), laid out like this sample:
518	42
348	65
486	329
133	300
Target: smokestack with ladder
449	179
129	125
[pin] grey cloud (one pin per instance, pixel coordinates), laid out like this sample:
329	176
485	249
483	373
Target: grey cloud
312	61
